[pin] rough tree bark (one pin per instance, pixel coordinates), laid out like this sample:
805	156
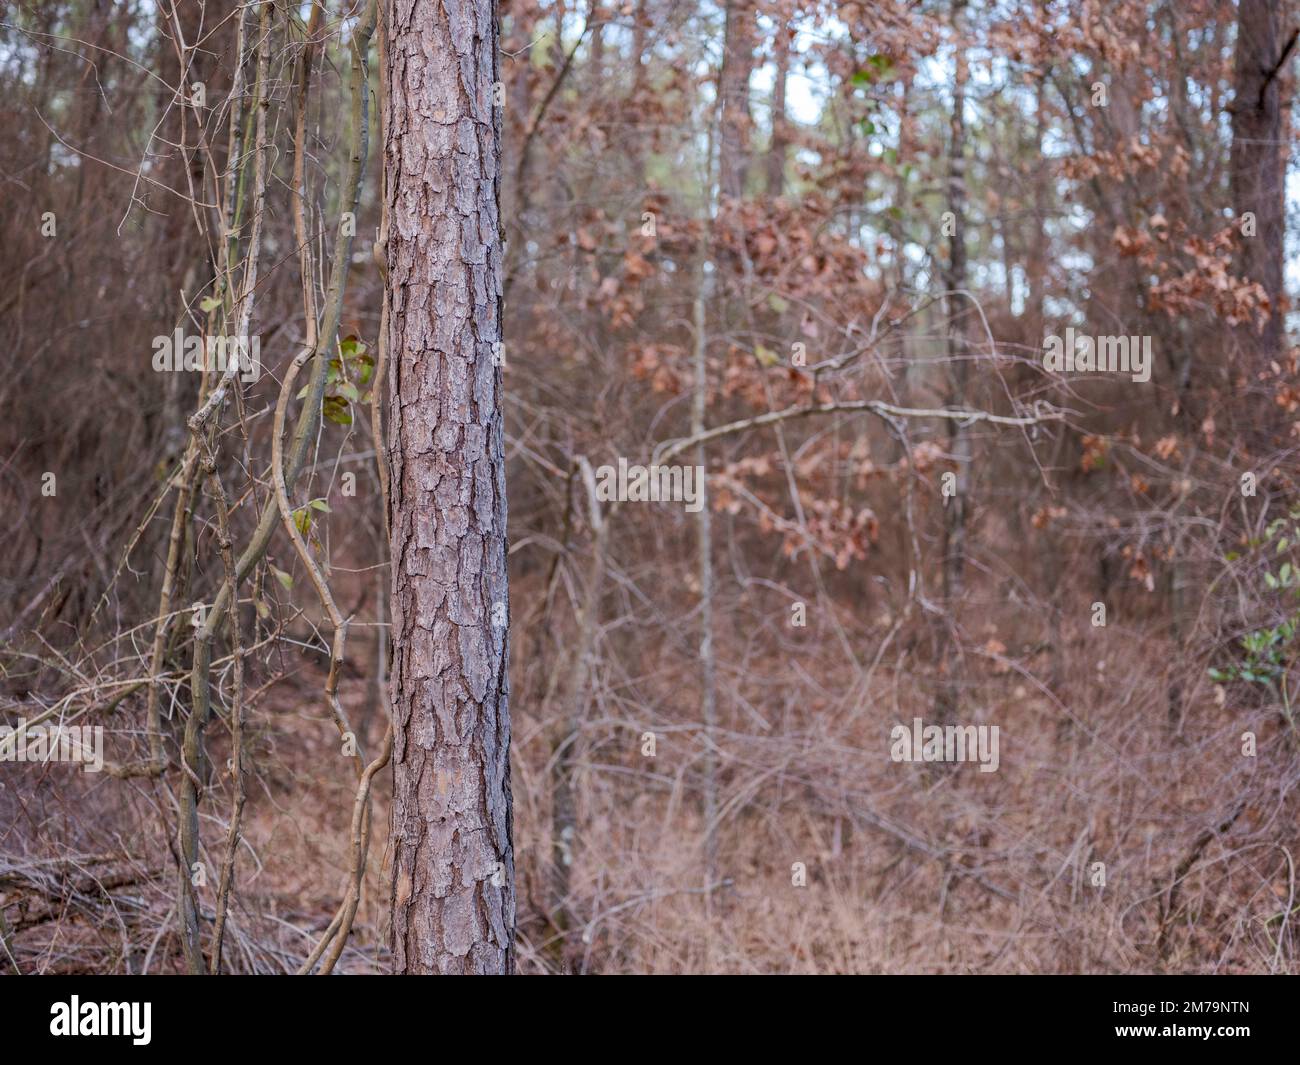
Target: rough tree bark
1258	162
453	892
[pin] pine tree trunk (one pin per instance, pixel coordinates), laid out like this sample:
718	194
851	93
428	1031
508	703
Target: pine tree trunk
453	865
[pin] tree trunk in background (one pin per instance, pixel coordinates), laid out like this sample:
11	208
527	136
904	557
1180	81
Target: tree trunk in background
453	865
780	124
635	144
1258	163
596	61
733	82
565	751
704	524
1037	309
902	197
959	444
183	62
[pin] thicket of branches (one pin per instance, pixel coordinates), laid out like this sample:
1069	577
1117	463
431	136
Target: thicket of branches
814	247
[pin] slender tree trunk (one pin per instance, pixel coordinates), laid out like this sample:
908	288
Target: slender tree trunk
1258	164
596	61
902	196
708	673
566	750
635	143
1038	246
777	149
453	863
733	82
959	444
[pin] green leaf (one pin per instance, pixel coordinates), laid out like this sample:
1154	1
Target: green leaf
880	65
209	304
284	578
320	504
336	410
